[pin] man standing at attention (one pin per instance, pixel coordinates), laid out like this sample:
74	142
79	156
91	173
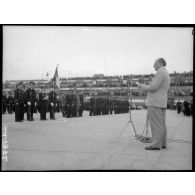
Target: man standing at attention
157	104
42	103
19	102
52	102
31	101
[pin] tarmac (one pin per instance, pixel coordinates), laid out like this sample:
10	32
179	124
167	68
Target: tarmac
94	143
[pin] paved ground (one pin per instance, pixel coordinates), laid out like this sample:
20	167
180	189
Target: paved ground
90	143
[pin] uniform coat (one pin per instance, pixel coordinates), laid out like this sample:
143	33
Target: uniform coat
52	104
30	96
10	104
42	105
19	103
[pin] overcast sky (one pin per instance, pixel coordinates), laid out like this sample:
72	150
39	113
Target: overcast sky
29	52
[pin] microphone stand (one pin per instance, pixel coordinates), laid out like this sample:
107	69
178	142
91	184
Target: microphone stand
135	135
133	130
141	137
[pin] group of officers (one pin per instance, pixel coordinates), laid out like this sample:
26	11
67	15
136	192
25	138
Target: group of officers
29	101
104	105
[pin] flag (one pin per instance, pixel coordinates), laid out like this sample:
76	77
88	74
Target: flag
56	79
47	76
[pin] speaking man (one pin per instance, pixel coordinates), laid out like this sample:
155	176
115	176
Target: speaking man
157	104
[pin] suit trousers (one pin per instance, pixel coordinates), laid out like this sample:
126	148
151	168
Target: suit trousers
157	120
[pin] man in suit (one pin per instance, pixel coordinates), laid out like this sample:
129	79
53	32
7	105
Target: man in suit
30	96
157	104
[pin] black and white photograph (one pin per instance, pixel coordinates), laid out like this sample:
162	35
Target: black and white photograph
97	98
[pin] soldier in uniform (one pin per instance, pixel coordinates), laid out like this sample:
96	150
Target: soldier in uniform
178	107
63	105
127	106
52	103
10	103
81	104
31	101
91	105
74	104
110	103
78	104
4	102
98	105
107	105
68	105
19	102
24	107
116	107
104	105
42	103
58	104
186	105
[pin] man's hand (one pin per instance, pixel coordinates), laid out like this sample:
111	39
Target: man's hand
29	103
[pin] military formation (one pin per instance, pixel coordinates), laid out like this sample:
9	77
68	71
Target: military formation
25	99
30	101
104	105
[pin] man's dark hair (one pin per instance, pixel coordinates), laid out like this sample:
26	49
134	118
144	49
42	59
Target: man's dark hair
162	61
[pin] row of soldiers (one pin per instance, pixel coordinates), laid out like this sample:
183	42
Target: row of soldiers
72	104
104	105
29	101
